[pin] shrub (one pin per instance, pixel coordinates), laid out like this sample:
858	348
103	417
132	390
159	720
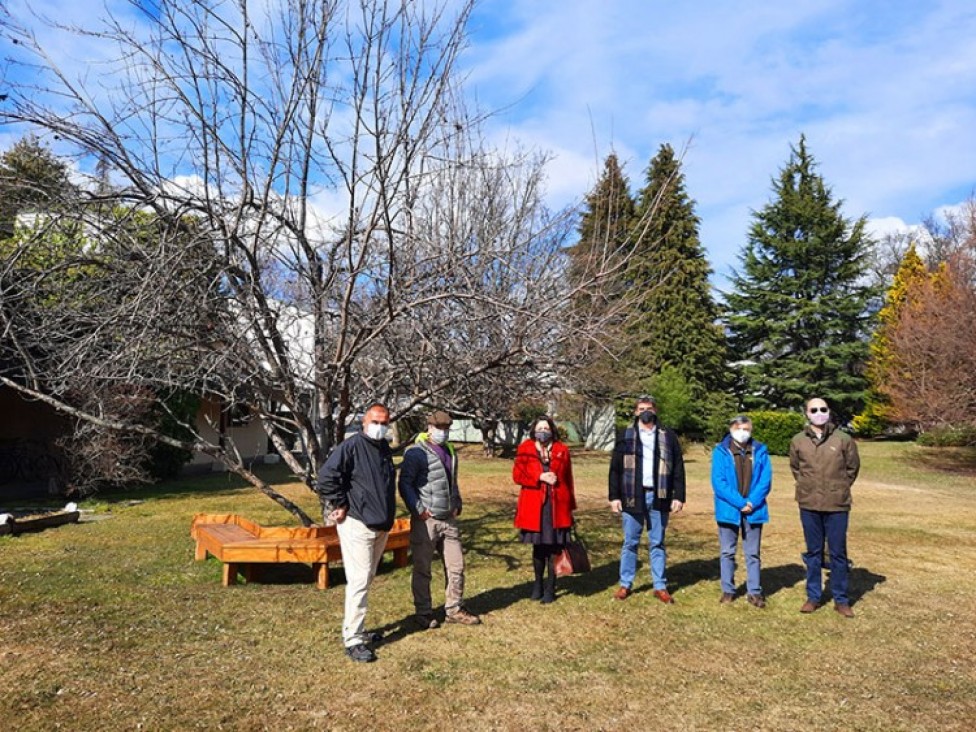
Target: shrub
776	429
949	436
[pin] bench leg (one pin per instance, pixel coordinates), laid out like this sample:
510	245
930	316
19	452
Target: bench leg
321	570
400	557
200	553
230	574
252	573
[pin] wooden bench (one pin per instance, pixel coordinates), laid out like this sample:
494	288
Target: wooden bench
244	546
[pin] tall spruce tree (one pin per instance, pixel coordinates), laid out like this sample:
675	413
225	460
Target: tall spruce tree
604	231
676	317
800	307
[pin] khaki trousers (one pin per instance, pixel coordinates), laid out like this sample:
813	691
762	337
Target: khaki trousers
362	549
426	537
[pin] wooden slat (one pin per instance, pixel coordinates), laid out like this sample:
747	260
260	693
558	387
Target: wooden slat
243	545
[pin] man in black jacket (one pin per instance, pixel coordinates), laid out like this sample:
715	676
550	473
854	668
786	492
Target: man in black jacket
357	486
647	486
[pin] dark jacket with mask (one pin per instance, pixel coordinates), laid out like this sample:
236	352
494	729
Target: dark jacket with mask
359	475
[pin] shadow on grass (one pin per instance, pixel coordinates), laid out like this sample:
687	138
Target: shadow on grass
958	460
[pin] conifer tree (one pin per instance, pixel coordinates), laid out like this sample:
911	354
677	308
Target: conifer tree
800	308
676	316
604	232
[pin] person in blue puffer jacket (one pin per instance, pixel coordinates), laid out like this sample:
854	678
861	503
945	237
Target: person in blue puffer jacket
742	476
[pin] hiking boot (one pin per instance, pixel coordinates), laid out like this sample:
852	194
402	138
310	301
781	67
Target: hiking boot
426	621
726	598
756	601
361	653
463	617
809	606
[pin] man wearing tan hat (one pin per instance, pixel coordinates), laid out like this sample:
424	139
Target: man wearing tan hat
429	487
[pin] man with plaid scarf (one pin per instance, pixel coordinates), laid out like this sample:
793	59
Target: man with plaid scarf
647	485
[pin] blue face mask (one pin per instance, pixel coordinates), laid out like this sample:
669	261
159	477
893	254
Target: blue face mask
543	436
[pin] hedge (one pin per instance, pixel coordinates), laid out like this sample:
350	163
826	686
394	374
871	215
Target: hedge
776	429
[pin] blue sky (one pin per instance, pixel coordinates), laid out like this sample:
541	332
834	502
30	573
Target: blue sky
884	91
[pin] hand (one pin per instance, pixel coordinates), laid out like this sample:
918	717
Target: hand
338	515
425	514
676	506
747	508
616	506
549	478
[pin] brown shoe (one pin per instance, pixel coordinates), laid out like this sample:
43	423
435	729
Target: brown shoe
463	617
726	598
664	596
622	593
756	600
809	606
844	610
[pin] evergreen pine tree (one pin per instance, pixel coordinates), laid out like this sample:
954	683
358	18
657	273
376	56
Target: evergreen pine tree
676	317
603	230
32	179
800	307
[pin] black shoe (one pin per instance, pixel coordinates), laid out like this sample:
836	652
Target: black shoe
536	590
374	637
361	653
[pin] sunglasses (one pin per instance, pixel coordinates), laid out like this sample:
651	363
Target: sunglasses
814	410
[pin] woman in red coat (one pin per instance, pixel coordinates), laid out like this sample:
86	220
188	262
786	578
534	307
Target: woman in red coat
546	502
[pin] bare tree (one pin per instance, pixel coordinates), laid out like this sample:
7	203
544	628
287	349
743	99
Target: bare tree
302	217
931	380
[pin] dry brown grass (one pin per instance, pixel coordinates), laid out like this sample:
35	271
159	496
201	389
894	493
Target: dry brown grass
111	624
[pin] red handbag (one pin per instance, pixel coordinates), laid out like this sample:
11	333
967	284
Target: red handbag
573	558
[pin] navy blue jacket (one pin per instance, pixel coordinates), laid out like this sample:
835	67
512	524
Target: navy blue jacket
359	476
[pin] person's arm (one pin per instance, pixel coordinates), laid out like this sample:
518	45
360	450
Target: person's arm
614	491
720	482
853	460
527	468
410	469
762	480
794	459
677	475
331	483
568	480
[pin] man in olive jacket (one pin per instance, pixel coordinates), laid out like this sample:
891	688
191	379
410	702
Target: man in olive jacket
825	464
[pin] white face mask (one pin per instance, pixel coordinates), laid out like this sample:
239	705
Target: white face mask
740	435
377	431
819	418
438	436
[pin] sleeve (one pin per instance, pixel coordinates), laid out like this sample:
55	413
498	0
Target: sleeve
720	483
409	472
678	474
762	480
570	483
616	470
332	483
794	459
853	460
527	467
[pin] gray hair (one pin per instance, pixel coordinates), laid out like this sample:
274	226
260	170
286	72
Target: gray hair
739	419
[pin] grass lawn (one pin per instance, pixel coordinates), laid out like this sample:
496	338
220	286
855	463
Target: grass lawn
110	624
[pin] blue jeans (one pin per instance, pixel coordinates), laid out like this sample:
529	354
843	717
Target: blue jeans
832	527
728	540
657	522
